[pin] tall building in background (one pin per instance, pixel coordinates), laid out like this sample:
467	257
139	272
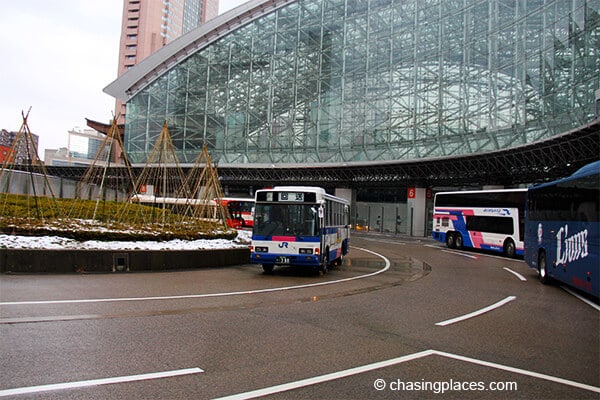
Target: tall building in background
85	147
22	156
148	25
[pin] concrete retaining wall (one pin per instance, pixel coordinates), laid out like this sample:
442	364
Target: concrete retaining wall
82	261
22	182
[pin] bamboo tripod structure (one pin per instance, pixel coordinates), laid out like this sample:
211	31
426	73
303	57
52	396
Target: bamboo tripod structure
39	203
105	201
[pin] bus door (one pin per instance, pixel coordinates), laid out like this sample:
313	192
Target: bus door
321	229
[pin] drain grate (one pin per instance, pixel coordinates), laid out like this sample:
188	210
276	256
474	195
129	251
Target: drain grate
120	262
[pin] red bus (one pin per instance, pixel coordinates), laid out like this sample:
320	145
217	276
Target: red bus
241	211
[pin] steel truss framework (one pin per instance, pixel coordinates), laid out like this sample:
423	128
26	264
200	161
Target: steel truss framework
542	161
315	81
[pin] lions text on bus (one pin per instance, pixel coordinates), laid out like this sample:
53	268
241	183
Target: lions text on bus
570	248
562	234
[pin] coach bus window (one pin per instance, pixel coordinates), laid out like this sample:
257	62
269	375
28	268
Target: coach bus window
490	224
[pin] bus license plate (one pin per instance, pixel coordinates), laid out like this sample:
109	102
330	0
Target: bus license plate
282	260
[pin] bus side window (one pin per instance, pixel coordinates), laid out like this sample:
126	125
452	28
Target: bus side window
587	212
445	222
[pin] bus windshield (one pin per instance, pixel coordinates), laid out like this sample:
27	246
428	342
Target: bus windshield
235	206
286	219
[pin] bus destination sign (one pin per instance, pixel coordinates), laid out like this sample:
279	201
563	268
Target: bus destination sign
291	196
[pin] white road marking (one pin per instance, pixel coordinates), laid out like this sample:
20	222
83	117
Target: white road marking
521	371
97	382
206	295
478	312
461	254
395	361
588	302
442	247
327	377
518	275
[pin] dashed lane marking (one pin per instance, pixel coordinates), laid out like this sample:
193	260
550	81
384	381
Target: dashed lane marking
518	275
478	312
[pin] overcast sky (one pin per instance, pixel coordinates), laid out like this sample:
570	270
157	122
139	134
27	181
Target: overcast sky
57	56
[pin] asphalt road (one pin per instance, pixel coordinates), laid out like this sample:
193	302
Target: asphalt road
401	318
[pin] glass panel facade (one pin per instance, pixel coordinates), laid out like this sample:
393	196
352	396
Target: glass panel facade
330	81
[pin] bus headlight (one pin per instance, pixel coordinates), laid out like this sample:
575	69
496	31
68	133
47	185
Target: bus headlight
259	249
306	251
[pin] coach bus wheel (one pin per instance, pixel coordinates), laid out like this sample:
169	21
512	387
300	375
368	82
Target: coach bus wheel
510	249
268	268
542	271
458	241
450	240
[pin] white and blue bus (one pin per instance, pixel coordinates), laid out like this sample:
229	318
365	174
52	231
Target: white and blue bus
481	219
562	237
299	226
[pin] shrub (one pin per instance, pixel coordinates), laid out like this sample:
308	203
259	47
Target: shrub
72	218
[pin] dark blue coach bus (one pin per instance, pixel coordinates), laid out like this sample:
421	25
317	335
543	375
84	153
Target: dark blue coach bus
562	238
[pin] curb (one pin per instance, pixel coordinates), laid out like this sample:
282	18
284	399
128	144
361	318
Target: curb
85	261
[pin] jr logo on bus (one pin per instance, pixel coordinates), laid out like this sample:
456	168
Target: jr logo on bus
283	244
570	248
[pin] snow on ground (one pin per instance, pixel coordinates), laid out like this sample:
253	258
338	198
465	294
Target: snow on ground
56	242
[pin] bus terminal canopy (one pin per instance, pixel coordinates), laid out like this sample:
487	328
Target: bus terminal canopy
546	160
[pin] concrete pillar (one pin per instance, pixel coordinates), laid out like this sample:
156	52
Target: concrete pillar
416	210
345	194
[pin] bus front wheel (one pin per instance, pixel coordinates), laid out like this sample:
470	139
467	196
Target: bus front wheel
450	240
325	264
542	269
268	268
